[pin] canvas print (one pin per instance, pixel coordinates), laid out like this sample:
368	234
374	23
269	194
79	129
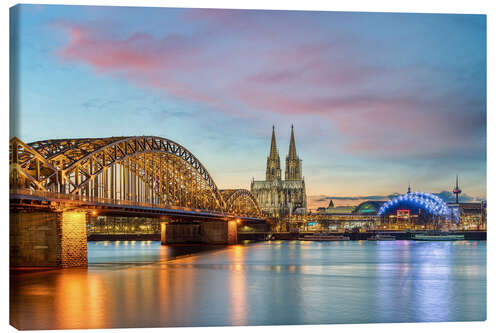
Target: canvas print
220	167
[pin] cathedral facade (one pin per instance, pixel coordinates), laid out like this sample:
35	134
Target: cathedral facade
281	197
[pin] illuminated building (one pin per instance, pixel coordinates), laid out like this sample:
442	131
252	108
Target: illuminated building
278	197
469	215
116	225
415	210
410	211
332	209
368	208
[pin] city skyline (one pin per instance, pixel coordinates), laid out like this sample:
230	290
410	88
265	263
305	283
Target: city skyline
316	201
412	111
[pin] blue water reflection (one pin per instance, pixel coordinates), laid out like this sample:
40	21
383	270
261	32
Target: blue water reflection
284	282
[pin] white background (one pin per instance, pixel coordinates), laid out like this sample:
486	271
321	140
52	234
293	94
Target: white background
490	8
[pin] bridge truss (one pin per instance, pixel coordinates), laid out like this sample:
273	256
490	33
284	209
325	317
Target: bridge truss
143	169
241	202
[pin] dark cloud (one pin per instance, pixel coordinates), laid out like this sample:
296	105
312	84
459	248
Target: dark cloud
357	198
448	196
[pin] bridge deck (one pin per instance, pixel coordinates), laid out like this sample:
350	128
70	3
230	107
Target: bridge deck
39	200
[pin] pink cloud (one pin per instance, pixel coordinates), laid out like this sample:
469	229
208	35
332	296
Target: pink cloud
106	55
294	77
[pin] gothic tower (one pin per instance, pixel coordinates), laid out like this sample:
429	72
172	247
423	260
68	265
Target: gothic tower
293	164
278	197
273	171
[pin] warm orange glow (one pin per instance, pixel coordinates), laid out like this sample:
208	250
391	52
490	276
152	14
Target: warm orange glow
94	213
238	286
78	294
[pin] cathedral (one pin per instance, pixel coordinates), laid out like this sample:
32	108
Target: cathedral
278	197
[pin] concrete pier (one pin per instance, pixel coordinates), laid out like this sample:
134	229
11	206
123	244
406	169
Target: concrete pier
209	232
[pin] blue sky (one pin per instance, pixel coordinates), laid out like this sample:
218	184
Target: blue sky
377	100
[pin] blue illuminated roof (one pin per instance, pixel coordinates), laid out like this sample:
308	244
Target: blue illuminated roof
427	201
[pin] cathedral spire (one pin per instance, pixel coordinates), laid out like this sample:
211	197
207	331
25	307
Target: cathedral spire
273	153
273	171
293	164
292	152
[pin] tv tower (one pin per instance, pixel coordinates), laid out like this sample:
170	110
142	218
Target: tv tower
457	191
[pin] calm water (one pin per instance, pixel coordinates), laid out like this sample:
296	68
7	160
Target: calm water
137	284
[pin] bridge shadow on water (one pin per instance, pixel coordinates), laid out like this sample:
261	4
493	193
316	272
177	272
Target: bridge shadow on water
125	254
118	255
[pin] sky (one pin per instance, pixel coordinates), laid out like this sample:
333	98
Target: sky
377	100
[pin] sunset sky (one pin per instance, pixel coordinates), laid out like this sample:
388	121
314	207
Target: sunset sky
377	100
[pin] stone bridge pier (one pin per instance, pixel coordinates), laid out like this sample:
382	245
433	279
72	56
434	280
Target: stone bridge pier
207	232
58	238
48	239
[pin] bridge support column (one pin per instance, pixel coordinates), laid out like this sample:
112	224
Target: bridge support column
232	232
163	232
48	239
174	233
219	232
210	232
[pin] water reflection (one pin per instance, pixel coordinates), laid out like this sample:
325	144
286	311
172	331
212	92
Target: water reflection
136	284
237	286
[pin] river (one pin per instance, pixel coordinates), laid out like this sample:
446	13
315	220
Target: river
144	284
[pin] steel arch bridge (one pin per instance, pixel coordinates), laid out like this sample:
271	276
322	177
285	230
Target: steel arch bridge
241	201
429	202
147	170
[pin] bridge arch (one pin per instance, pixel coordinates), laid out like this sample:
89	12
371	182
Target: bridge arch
428	202
145	169
241	202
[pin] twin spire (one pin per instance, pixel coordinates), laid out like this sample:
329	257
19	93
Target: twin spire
292	152
274	151
293	164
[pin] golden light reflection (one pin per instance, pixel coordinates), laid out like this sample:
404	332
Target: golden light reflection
238	287
179	287
79	300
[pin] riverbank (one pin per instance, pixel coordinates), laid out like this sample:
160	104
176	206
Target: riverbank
355	236
260	236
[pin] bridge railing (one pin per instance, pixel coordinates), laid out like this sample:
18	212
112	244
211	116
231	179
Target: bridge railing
43	195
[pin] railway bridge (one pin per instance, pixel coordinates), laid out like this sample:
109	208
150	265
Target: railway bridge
56	185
